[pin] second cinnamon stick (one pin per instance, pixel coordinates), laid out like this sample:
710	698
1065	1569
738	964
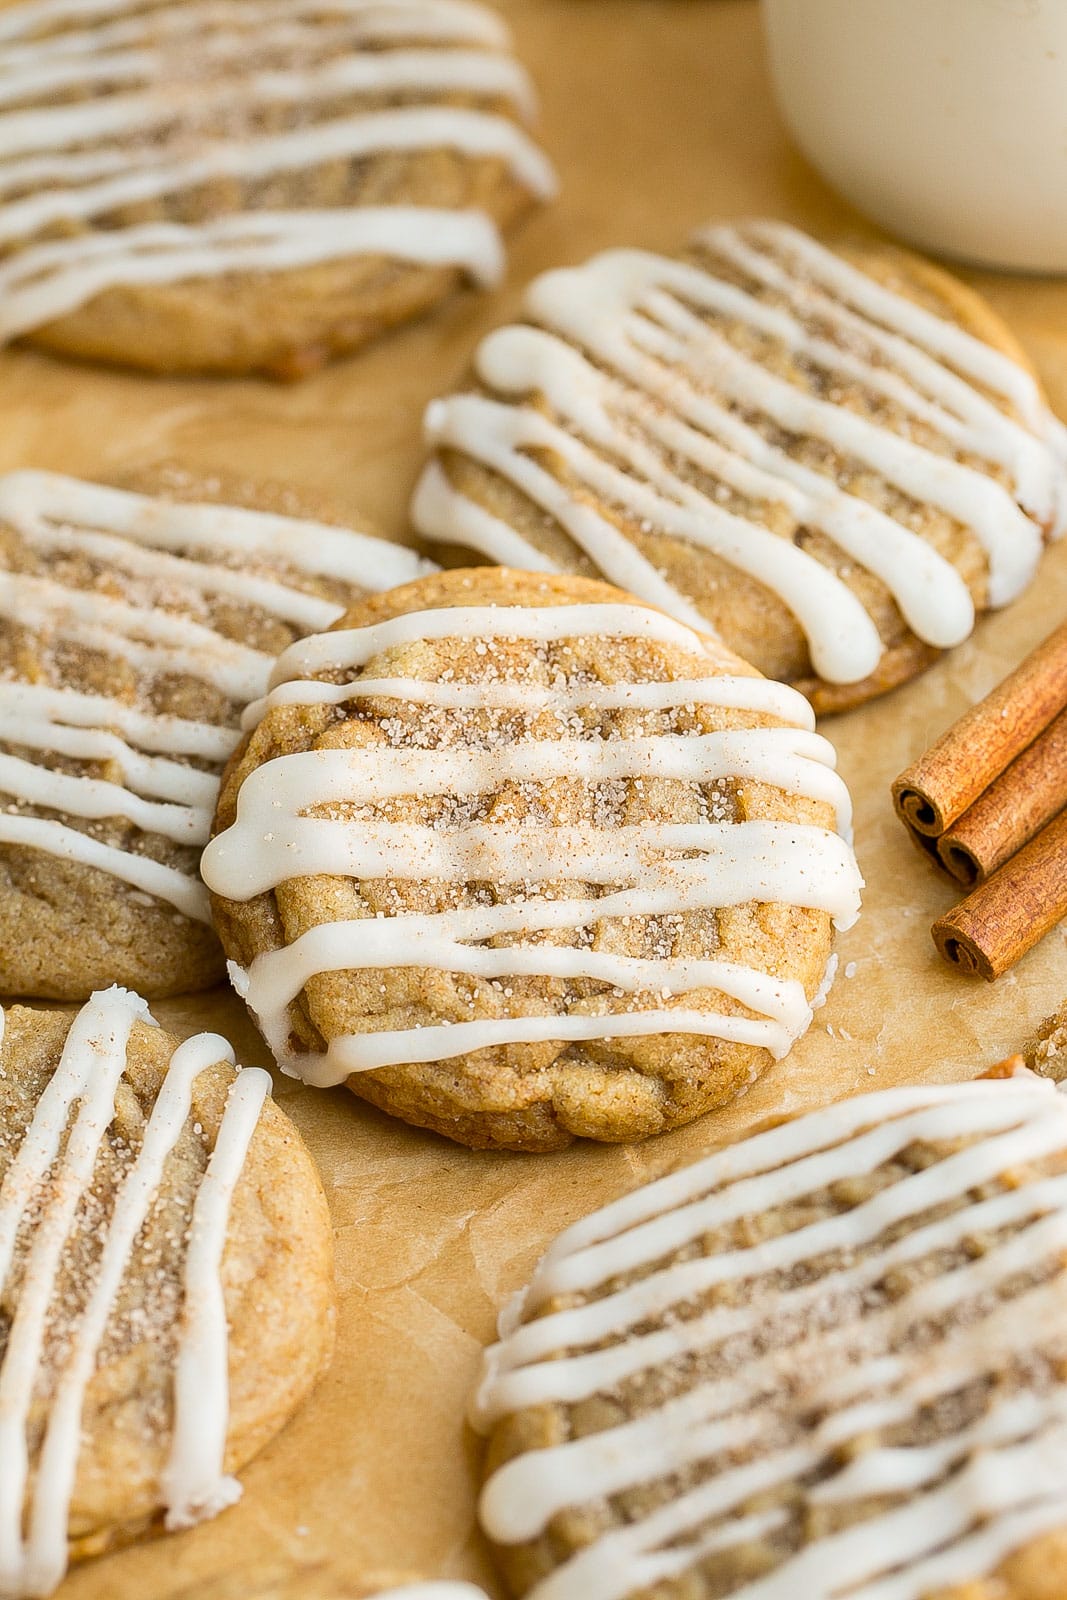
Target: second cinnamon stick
1019	803
939	787
1015	908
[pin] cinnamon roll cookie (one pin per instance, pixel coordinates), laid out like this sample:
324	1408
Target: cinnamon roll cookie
828	1362
251	185
133	630
834	460
520	858
166	1295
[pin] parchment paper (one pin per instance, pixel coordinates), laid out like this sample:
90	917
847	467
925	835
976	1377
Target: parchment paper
659	117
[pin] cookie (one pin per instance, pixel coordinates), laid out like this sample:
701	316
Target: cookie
826	1362
292	1577
433	1589
834	460
522	859
133	631
250	187
1046	1052
166	1294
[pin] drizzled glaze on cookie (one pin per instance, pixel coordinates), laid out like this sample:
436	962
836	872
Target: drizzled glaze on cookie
658	396
46	1183
127	107
826	1361
159	570
646	870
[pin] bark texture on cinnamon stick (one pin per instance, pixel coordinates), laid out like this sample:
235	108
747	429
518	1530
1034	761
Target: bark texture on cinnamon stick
1016	805
1008	914
938	788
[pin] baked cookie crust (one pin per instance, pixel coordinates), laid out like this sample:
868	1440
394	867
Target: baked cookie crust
275	1273
252	188
506	756
134	624
1046	1052
835	1348
834	459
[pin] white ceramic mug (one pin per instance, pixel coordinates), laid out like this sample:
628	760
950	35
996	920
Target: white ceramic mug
944	120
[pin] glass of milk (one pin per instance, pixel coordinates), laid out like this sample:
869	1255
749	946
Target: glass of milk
943	120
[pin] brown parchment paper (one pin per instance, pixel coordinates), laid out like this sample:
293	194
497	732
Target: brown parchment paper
659	117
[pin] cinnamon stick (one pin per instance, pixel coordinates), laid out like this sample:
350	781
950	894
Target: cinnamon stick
1010	1067
1016	805
1008	914
938	788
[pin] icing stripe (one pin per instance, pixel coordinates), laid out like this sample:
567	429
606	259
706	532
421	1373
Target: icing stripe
127	48
396	72
93	1062
306	611
962	413
30	501
910	568
93	797
153	775
148	637
276	978
770	861
193	1481
649	407
46	1556
440	512
944	340
387	1048
500	436
649	869
476	134
193	555
93	121
29	709
355	647
427	19
744	694
153	878
84	1085
800	763
1010	540
825	1365
40	284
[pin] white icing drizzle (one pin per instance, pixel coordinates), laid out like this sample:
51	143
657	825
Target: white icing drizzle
815	1348
439	511
82	1092
442	20
639	385
193	1483
746	694
397	72
355	647
142	873
646	869
30	501
952	345
121	144
185	548
38	285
